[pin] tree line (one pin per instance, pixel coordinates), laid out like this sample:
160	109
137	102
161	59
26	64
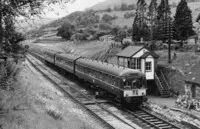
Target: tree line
153	22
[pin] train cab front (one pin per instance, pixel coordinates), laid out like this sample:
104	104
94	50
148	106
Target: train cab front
134	90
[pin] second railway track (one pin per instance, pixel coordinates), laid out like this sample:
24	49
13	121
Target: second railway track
113	115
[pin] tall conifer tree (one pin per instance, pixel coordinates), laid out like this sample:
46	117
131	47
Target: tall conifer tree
163	15
183	21
152	16
140	28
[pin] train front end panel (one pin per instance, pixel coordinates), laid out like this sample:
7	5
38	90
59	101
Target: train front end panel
134	92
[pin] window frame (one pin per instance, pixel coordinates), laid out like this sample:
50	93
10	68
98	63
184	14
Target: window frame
148	66
136	63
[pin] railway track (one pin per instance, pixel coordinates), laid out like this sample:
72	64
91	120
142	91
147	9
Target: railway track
113	115
109	119
150	119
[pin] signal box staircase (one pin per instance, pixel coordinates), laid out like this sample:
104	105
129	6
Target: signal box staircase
162	84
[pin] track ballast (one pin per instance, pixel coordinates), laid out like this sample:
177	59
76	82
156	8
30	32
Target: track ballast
110	114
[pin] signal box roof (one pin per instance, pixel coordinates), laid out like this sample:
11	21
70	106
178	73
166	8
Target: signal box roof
130	51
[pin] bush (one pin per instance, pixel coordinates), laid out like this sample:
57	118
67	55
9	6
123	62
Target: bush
104	26
125	44
108	10
99	34
107	18
66	31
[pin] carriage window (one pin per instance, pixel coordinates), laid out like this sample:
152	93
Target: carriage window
109	79
86	70
124	83
97	74
81	68
119	82
70	64
101	75
89	72
113	81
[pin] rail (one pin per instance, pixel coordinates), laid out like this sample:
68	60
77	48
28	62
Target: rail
89	106
154	121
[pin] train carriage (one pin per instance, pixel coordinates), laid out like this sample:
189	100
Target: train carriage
66	61
125	84
38	53
121	82
49	57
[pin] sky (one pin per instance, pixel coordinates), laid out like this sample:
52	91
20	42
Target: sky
57	11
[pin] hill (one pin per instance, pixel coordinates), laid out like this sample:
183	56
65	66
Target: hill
111	3
75	17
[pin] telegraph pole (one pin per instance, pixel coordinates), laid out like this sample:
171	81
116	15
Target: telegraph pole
169	36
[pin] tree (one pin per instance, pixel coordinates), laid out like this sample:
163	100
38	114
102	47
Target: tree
16	8
66	31
129	32
115	30
121	34
107	18
11	36
139	33
108	9
183	21
163	17
152	16
105	26
163	10
140	27
124	7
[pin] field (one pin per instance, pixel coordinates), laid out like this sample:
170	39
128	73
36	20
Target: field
176	72
47	39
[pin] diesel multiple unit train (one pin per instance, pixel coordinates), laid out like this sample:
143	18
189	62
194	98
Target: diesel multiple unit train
124	84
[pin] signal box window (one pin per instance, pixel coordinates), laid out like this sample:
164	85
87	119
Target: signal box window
148	66
136	63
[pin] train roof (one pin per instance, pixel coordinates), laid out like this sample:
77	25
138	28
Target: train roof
52	53
68	56
109	68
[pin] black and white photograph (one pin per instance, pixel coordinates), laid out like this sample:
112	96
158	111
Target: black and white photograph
99	64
